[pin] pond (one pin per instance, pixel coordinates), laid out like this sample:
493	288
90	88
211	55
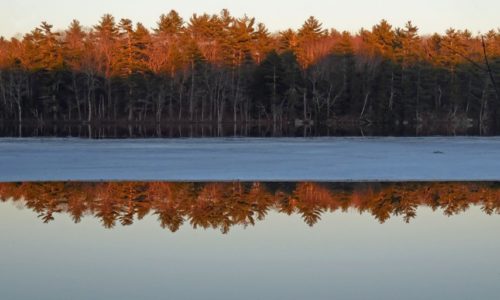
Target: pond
249	240
233	217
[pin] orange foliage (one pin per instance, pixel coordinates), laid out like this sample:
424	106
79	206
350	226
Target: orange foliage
223	205
112	49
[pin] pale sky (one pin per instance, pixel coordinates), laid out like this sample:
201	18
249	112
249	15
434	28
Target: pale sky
21	16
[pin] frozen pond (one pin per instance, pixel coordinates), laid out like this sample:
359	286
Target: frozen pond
335	159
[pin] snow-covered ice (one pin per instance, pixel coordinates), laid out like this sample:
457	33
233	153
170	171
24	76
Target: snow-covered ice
283	159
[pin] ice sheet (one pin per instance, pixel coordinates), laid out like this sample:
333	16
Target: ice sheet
281	159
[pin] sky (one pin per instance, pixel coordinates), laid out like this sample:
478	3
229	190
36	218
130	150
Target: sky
21	16
345	256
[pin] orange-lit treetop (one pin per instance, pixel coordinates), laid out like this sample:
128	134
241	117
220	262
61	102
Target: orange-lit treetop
223	205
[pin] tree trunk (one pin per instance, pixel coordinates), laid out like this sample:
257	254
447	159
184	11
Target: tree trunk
305	104
367	96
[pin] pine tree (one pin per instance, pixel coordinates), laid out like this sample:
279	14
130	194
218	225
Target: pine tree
262	43
73	52
308	37
106	37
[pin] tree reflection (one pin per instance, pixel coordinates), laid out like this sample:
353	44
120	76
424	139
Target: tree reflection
224	205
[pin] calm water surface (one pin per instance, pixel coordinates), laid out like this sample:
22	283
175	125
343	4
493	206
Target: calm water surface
186	130
249	240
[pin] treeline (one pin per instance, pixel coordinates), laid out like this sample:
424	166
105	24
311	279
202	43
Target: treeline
219	68
224	205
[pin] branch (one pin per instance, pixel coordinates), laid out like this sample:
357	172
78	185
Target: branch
492	78
464	57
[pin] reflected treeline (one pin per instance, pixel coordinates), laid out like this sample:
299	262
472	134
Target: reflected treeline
223	205
187	130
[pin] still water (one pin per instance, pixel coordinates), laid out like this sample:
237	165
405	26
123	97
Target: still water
249	240
187	130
